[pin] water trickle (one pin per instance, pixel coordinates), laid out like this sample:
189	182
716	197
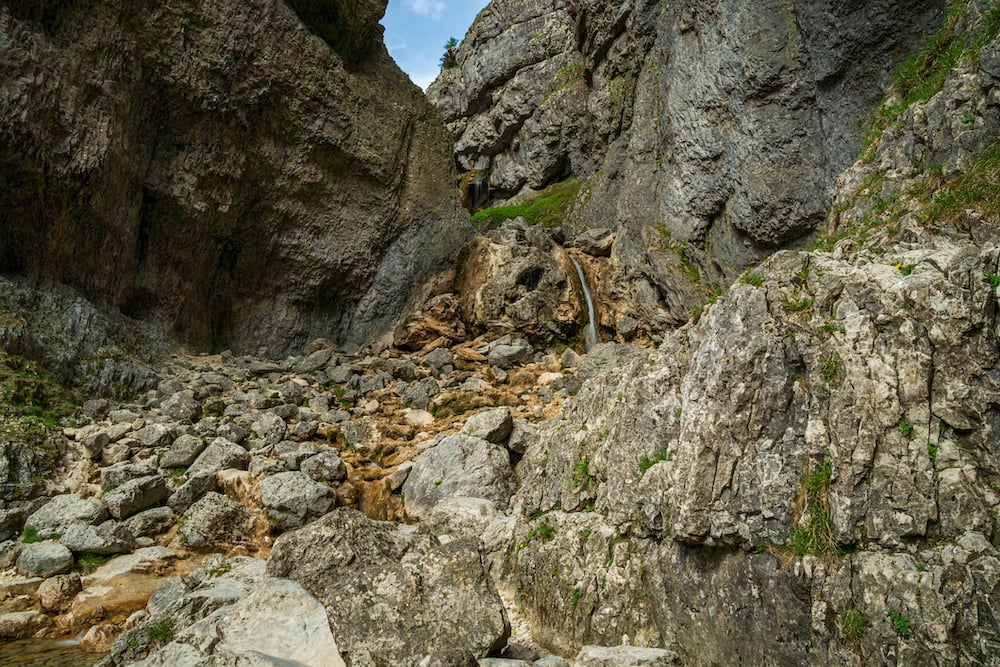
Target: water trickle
590	337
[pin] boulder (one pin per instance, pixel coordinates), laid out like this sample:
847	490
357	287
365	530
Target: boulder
493	425
291	498
459	465
117	474
55	593
212	520
365	574
105	539
277	623
219	455
154	435
149	523
62	511
625	656
182	407
183	452
191	491
22	624
44	559
136	495
596	242
324	466
506	356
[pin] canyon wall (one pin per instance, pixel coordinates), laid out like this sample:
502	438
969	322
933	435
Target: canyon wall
243	174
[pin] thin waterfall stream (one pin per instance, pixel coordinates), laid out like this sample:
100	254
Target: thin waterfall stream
590	337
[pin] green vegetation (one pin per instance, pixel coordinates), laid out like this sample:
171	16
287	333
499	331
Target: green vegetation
932	451
30	535
581	473
689	269
923	74
900	624
812	532
564	78
831	327
853	625
161	631
906	269
752	278
829	367
32	404
906	428
574	597
450	57
88	562
794	305
975	189
646	463
993	278
549	208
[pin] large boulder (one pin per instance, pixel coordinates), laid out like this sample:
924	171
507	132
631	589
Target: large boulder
44	560
291	498
212	520
516	278
136	495
62	511
236	174
277	623
459	465
393	594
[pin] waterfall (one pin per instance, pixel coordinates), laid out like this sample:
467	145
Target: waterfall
590	338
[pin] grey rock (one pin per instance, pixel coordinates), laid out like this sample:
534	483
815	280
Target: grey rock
136	495
492	424
105	539
151	522
386	623
191	491
94	444
459	465
326	465
438	359
341	375
270	428
625	656
396	238
95	408
277	623
182	406
22	624
596	241
44	559
233	432
291	498
508	356
219	455
117	474
154	435
183	451
62	511
212	520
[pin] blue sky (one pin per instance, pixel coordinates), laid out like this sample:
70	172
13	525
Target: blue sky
416	30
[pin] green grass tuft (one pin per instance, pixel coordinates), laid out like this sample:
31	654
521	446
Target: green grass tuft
549	208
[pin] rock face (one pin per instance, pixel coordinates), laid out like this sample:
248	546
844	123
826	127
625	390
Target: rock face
383	586
712	128
220	169
819	447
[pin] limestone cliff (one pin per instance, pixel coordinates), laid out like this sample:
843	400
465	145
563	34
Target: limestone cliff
246	174
712	129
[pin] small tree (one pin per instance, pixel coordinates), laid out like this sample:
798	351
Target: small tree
450	57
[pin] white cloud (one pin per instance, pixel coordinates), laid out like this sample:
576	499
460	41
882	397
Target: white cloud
432	8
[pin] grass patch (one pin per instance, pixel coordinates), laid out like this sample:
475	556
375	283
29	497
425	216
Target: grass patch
900	624
853	625
161	631
829	367
30	535
549	208
906	428
993	279
646	463
574	597
976	189
795	305
88	562
932	451
752	278
581	473
812	531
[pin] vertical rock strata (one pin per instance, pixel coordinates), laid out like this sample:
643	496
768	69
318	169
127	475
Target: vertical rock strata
221	169
714	126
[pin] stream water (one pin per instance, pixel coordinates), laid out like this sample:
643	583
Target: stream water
45	653
590	337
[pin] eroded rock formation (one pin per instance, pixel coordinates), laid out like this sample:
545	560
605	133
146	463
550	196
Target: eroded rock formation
220	169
